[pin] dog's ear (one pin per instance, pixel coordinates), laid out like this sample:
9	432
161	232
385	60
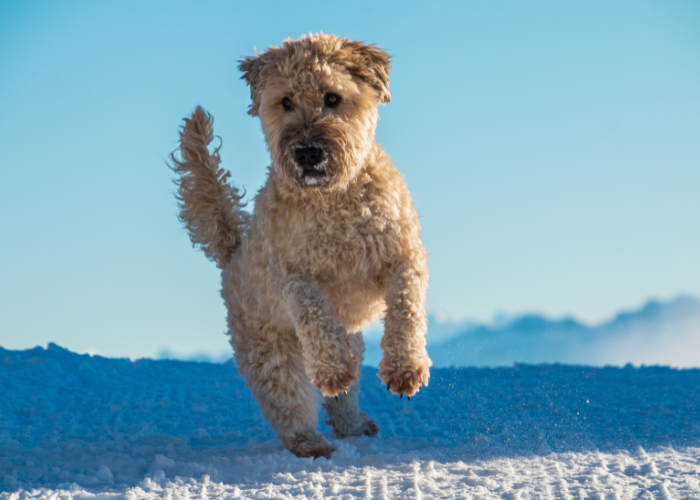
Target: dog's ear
251	68
370	64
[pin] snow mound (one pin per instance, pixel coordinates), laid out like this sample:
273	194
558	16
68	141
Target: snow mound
80	426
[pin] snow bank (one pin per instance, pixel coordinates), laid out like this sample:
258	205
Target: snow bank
76	426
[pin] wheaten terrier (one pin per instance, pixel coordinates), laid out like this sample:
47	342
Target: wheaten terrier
332	246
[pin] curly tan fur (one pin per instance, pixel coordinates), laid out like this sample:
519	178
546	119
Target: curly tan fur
210	208
326	252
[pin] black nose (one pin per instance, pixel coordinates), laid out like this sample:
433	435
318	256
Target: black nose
308	156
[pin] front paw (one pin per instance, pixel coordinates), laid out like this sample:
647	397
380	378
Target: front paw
333	382
404	379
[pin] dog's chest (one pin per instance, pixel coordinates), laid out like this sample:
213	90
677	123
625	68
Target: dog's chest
346	244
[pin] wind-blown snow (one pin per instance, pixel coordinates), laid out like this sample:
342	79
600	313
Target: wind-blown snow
76	426
665	333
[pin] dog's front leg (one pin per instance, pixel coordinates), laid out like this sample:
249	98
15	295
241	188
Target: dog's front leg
328	358
405	364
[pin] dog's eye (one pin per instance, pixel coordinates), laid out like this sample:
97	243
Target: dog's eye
287	103
331	100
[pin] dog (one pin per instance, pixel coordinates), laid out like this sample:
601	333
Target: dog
332	246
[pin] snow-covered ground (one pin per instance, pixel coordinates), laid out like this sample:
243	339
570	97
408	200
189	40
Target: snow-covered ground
90	427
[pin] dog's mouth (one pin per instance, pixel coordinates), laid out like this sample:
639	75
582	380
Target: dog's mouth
315	176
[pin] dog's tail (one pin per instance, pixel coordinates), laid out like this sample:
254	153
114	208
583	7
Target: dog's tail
210	208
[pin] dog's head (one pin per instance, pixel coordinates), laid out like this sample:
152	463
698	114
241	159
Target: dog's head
317	101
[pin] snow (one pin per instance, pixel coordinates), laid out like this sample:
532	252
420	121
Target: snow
88	427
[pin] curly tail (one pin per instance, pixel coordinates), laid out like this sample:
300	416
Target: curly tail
210	208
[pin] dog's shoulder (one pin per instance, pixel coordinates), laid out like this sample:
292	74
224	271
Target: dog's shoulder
390	201
386	191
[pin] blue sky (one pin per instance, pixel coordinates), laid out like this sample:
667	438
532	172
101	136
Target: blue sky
552	149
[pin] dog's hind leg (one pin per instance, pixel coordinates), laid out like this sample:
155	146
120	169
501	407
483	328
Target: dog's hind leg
272	364
344	413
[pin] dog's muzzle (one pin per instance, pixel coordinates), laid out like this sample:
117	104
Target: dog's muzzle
312	161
